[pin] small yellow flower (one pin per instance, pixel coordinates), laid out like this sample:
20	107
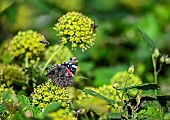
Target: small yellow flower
76	28
26	44
41	105
46	99
46	93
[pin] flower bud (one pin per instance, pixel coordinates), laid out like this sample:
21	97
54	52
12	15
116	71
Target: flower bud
156	52
162	59
115	85
167	60
131	69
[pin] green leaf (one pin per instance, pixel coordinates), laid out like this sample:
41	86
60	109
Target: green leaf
93	93
24	101
145	86
142	99
99	107
163	99
50	107
6	95
112	115
147	39
35	111
3	109
17	116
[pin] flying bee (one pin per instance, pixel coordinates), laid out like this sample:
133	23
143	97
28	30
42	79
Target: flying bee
94	26
44	41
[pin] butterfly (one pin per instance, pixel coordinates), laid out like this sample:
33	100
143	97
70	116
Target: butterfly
63	74
44	41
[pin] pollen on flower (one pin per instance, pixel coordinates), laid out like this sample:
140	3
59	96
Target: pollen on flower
47	93
75	28
26	44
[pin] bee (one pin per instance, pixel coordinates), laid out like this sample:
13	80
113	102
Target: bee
94	26
44	41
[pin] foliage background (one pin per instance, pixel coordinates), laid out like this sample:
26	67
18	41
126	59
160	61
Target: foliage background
118	43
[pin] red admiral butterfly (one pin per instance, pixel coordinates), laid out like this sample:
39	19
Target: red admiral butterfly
62	74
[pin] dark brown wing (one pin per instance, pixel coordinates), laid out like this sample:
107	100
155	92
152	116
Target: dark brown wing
59	75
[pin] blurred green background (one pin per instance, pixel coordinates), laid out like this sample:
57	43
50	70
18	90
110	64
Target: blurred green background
118	43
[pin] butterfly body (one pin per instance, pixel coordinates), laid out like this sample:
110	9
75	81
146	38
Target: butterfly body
62	74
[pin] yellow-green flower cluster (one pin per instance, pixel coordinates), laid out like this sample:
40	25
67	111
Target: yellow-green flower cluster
62	114
76	29
63	54
11	74
47	93
26	45
106	90
4	52
120	77
109	92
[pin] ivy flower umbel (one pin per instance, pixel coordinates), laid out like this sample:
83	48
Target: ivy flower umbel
47	93
62	114
76	29
120	77
11	74
26	45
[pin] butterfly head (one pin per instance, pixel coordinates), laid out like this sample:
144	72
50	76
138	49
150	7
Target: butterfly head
74	61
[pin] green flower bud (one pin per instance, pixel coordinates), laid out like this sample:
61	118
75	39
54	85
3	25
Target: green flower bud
156	52
167	60
162	59
131	69
76	28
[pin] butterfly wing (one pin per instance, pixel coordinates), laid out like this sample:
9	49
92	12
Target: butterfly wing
59	75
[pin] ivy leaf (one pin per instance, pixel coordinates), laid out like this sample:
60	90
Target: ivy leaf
143	98
50	107
112	115
24	101
6	95
145	86
35	111
17	116
147	39
99	107
163	99
3	109
93	93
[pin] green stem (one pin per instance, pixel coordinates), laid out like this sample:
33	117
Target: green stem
125	85
160	67
26	62
49	60
155	72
